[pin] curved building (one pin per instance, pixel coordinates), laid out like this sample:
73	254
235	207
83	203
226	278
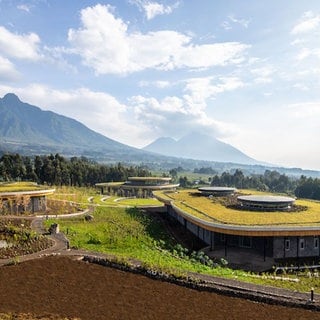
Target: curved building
18	198
217	191
262	226
141	187
266	203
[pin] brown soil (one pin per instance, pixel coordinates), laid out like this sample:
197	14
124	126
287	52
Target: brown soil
75	289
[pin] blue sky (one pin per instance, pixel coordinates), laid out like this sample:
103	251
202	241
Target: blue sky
246	72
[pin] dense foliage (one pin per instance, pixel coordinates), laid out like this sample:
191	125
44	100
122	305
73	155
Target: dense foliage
80	171
270	181
57	170
273	181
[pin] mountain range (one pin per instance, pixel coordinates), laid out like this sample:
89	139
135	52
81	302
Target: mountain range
201	147
24	127
28	130
27	127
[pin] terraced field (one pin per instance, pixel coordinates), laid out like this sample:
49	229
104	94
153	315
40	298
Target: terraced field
58	287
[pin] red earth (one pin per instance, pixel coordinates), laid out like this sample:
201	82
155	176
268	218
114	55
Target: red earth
58	287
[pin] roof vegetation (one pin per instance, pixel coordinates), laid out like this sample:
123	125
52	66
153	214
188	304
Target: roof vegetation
19	186
218	210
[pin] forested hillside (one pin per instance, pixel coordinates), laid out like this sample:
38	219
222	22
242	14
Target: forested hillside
57	170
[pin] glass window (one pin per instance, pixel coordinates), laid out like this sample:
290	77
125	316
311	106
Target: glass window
246	242
316	242
287	244
301	244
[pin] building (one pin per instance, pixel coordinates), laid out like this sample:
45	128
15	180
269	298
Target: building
266	203
17	198
275	230
140	187
217	191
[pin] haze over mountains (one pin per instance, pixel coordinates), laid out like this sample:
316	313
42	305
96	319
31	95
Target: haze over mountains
27	126
26	129
201	147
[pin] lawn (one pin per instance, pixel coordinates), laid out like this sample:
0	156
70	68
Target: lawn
20	186
216	210
127	234
91	196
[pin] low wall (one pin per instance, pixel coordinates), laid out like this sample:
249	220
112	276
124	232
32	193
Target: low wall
193	282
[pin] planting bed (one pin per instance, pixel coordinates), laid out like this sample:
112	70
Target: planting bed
75	289
17	238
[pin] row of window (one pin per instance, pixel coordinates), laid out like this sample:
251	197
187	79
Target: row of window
241	241
246	242
302	245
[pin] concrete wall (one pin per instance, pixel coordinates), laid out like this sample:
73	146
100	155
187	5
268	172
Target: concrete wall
295	250
31	204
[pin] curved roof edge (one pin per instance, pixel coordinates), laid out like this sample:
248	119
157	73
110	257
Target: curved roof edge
27	193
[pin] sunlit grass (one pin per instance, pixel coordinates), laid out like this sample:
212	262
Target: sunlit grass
20	186
214	210
91	196
129	234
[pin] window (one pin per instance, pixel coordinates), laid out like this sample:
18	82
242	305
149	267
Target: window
222	237
246	242
287	244
316	242
301	244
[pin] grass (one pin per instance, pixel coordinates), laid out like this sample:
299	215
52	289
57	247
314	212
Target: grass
20	186
129	234
215	210
91	196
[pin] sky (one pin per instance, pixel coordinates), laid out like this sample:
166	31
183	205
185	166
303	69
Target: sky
246	72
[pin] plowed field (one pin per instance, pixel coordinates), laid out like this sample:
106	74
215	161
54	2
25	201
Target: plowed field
75	289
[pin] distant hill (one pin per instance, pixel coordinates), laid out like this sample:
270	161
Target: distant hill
24	127
201	147
28	130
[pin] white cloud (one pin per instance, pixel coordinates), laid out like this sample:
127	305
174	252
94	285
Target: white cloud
243	22
7	70
228	24
263	74
308	22
23	46
106	44
153	9
174	116
200	89
305	110
161	84
24	7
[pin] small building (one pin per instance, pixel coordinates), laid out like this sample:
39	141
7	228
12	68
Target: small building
266	203
140	187
17	198
217	191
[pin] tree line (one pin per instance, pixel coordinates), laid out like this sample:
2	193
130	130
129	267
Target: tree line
271	180
58	170
80	171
